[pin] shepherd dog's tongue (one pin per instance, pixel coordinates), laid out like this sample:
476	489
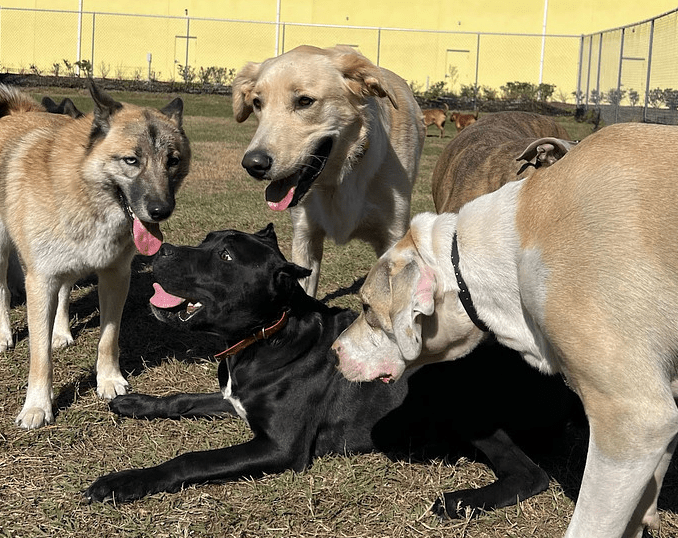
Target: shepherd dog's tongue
162	299
279	195
147	237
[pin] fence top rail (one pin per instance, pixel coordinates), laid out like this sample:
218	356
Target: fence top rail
666	14
316	25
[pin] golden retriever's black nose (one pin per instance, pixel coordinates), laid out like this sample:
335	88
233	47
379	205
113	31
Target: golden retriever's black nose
257	163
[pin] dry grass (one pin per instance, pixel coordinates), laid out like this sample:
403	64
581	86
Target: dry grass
43	472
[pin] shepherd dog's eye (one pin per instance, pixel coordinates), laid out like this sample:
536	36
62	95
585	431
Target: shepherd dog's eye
225	255
132	161
172	161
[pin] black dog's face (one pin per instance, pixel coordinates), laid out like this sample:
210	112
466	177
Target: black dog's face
231	284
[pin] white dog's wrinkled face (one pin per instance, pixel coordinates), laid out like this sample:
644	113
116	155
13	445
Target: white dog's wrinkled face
407	318
309	106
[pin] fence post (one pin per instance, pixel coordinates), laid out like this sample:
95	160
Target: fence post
600	59
619	76
475	86
579	68
378	44
588	71
92	60
649	68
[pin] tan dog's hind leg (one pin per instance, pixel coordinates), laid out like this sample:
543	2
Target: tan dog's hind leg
113	288
41	301
6	338
625	467
61	335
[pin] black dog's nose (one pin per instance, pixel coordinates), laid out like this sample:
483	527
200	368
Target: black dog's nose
160	210
166	249
257	163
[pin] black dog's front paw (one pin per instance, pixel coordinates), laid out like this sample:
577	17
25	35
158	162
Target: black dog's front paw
455	505
123	487
133	405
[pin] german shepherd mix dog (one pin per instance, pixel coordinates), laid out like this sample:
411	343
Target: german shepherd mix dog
279	375
76	196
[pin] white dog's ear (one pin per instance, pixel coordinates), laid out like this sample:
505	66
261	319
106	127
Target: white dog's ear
362	76
546	151
412	294
243	84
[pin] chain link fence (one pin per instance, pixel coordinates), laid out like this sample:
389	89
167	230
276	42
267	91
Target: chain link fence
631	73
143	47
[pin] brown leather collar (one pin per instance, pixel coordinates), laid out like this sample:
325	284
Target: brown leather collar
263	334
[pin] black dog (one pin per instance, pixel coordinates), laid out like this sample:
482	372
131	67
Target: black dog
282	379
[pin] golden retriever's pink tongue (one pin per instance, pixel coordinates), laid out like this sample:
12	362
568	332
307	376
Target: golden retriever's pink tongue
273	192
162	299
147	237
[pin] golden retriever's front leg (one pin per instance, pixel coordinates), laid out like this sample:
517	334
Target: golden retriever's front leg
41	301
113	288
307	248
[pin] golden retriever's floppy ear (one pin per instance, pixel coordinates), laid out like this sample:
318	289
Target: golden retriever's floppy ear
362	76
243	84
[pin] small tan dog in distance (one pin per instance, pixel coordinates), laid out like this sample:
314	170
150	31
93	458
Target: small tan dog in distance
80	196
575	267
463	120
437	117
339	141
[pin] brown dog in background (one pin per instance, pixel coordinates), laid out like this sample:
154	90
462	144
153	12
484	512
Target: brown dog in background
463	120
484	156
436	116
77	195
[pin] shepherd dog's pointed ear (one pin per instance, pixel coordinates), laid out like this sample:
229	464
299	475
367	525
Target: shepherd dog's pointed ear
104	107
175	111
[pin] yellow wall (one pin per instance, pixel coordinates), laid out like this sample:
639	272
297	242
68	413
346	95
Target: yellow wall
122	43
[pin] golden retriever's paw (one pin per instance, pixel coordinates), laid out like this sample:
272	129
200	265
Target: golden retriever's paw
34	417
61	339
107	389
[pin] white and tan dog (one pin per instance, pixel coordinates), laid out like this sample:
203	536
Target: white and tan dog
339	139
576	267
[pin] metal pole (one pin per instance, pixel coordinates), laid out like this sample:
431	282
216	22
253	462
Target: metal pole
588	72
378	45
581	66
77	54
277	29
649	69
475	88
188	35
619	77
543	42
600	59
93	23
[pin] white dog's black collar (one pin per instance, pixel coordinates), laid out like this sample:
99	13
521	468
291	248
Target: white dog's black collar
464	293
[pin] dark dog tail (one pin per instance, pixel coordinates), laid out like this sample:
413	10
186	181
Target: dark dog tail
12	101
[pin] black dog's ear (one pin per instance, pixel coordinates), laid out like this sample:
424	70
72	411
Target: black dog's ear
288	275
104	107
269	231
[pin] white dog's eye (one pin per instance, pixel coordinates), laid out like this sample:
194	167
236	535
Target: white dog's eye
256	103
132	161
305	101
225	255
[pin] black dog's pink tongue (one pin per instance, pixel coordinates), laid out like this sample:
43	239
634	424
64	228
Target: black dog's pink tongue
147	237
162	299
